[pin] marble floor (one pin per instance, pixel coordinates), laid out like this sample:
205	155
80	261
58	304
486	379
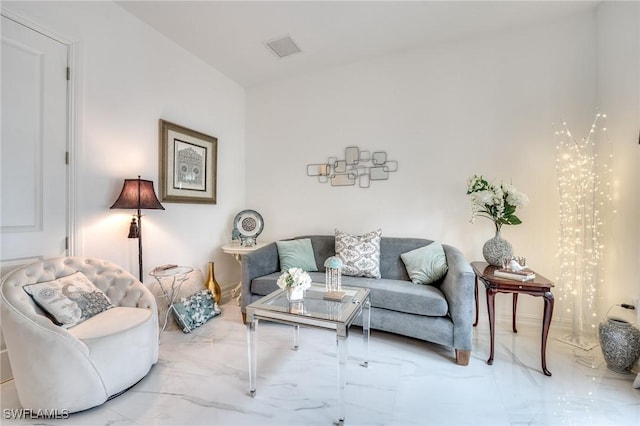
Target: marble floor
201	379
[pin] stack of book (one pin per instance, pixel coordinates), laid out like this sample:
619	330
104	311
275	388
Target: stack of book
512	274
163	268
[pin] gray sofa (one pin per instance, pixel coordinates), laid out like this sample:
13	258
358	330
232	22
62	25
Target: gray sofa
440	313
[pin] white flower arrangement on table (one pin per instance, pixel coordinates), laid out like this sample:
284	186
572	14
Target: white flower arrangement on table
294	278
495	202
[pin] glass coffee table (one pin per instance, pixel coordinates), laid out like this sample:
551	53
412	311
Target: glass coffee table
313	311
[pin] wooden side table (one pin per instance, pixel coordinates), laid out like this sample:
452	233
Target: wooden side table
540	287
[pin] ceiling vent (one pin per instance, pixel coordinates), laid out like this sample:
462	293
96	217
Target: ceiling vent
283	46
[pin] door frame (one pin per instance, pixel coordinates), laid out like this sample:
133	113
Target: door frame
73	123
73	129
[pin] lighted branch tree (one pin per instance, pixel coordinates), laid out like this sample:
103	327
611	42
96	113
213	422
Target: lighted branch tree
584	185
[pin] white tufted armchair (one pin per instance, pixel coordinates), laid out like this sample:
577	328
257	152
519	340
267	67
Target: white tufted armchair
83	366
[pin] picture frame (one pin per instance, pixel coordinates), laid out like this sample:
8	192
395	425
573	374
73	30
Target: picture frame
188	165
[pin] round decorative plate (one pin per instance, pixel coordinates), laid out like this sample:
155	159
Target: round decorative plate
249	224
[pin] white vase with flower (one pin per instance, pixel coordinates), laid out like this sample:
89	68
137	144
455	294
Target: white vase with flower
295	281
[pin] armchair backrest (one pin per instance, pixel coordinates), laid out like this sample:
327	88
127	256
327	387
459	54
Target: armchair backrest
119	285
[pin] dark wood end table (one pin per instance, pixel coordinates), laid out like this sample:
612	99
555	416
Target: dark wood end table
539	286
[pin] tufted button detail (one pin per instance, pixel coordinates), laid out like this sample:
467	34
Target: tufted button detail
122	288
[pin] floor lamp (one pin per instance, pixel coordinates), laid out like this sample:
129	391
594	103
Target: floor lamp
137	194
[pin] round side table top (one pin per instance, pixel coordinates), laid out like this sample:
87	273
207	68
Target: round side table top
238	249
170	272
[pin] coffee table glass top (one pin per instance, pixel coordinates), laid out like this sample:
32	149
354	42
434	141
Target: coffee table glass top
313	307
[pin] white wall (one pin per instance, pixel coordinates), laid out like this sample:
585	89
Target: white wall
482	106
131	77
619	97
476	106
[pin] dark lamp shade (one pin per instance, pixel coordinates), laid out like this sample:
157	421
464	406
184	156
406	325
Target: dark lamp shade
137	194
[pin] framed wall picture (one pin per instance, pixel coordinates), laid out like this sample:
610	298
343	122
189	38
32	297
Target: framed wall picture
188	165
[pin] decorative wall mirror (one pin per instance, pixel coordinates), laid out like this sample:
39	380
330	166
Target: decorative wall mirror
378	173
379	158
318	170
343	179
352	155
360	166
391	166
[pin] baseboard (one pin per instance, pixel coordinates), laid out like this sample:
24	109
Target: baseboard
5	368
227	295
534	321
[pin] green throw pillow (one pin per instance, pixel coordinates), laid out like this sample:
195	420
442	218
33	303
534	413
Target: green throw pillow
426	265
296	254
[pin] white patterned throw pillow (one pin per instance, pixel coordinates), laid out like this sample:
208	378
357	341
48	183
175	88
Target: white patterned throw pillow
69	300
360	254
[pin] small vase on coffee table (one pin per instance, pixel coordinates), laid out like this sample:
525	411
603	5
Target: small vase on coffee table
295	293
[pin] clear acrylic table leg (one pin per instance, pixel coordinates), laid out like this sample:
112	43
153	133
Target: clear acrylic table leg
296	337
252	344
342	374
366	326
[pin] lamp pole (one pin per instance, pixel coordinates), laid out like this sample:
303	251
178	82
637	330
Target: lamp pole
139	233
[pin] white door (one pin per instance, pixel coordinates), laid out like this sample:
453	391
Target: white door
33	170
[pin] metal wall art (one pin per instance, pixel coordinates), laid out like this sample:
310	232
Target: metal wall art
361	166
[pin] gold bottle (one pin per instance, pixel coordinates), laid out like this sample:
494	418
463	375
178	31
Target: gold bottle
213	285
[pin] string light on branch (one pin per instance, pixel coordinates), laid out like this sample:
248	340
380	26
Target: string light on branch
584	186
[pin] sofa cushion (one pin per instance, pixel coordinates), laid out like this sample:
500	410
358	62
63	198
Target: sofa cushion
394	295
426	265
69	300
402	296
296	254
360	254
114	321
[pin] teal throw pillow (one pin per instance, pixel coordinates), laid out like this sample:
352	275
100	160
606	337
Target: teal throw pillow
193	311
426	265
296	254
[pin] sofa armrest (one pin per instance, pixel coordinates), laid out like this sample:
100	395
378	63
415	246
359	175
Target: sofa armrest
458	287
262	261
